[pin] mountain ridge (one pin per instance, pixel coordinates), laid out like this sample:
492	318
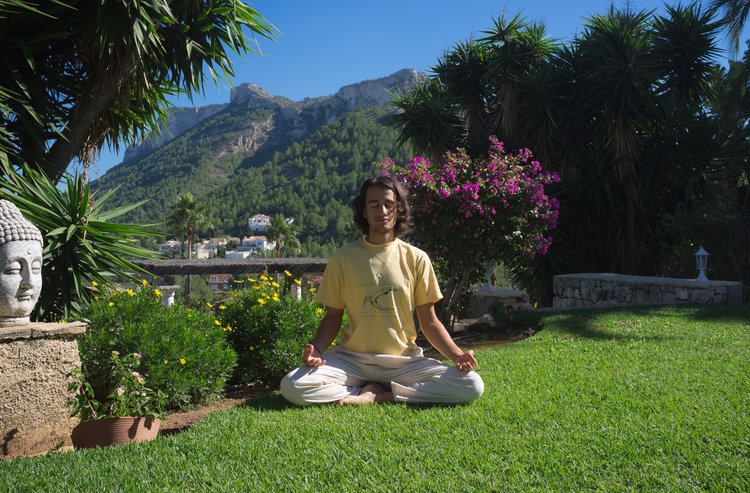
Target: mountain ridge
362	94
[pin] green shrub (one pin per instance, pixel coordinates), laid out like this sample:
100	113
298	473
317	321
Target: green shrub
269	326
185	351
130	396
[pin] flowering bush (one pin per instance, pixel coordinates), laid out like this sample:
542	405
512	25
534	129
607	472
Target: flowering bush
271	322
469	212
185	351
129	395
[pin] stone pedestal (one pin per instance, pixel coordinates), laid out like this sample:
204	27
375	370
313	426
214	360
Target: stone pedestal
167	294
34	359
513	299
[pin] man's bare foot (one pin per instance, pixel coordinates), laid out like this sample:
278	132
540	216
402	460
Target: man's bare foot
370	393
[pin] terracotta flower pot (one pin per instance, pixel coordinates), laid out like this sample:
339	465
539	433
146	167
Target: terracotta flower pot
109	431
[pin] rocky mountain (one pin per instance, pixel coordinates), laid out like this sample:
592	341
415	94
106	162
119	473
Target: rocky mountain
261	153
303	116
182	120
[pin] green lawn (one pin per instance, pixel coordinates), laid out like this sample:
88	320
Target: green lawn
643	399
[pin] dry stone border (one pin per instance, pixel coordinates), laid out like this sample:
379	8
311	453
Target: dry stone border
606	290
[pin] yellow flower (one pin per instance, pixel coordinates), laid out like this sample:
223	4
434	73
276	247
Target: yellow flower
94	283
182	361
157	293
217	322
312	290
261	301
222	307
239	281
111	303
144	282
289	274
131	292
297	282
209	304
166	361
319	311
252	348
275	296
250	279
275	284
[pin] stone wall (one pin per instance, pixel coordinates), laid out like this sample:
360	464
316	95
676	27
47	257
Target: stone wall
604	290
34	360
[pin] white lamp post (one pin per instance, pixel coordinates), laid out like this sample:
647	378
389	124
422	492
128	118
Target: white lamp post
701	260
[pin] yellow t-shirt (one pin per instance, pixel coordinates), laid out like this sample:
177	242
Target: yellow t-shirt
379	286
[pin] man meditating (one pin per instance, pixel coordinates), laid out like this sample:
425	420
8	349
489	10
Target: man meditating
381	281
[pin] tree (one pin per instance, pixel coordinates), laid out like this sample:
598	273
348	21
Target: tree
518	52
620	113
642	82
468	212
428	120
736	13
732	235
283	233
618	73
461	74
477	90
77	74
185	216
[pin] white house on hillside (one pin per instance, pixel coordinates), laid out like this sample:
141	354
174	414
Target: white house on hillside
259	223
172	246
253	243
204	250
218	283
235	254
248	245
209	248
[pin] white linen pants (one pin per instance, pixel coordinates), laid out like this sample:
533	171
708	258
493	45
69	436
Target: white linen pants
413	379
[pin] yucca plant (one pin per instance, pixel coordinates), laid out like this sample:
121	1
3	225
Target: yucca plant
82	247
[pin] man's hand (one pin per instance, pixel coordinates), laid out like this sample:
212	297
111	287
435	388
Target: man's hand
312	357
466	362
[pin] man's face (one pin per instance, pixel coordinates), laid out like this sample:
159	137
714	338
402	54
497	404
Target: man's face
381	210
20	277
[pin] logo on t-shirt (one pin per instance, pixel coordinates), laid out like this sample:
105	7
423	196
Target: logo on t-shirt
380	299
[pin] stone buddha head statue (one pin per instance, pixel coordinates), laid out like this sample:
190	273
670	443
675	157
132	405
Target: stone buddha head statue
20	266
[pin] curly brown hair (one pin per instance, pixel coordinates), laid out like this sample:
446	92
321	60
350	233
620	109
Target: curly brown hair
358	204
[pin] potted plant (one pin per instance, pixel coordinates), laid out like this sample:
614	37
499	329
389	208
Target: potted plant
131	412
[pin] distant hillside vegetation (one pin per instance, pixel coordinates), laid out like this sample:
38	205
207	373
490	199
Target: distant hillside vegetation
313	181
266	154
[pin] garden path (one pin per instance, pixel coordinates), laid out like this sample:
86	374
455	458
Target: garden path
177	421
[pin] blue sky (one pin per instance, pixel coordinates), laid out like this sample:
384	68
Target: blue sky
327	44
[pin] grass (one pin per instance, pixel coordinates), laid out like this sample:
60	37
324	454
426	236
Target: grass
639	399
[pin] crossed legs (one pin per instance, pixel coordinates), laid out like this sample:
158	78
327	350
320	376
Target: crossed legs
359	378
